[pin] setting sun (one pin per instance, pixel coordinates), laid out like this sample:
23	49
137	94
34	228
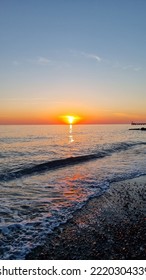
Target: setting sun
70	119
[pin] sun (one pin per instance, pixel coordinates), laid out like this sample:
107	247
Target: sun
70	119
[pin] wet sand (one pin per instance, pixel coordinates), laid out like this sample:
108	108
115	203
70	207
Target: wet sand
112	226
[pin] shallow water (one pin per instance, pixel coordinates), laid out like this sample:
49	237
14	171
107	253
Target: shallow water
47	172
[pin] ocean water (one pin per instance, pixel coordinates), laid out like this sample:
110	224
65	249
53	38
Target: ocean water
47	172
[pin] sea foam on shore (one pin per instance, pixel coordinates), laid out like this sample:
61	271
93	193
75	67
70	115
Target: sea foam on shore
112	226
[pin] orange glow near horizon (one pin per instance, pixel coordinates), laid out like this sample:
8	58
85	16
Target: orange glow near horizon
24	113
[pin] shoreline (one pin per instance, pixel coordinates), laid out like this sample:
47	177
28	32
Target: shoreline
112	226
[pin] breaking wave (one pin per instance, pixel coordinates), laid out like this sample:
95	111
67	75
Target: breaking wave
61	163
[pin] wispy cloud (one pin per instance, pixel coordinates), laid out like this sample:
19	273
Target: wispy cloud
137	69
116	64
126	67
86	55
131	67
43	60
92	56
22	98
58	64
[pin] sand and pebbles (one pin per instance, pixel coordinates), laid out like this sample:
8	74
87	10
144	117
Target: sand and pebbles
112	226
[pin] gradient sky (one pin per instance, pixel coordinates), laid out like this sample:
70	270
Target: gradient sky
79	57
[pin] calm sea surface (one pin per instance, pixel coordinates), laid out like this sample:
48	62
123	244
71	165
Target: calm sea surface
47	172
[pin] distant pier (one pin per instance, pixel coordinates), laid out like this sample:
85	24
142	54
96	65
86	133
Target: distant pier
138	123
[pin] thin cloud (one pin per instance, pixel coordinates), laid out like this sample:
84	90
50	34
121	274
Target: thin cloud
86	55
137	69
126	67
92	56
39	60
22	98
131	67
43	60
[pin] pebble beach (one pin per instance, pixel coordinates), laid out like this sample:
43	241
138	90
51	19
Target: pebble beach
112	226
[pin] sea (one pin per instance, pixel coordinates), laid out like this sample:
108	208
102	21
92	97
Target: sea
47	172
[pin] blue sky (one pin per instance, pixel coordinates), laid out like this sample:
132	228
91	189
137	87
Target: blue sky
81	55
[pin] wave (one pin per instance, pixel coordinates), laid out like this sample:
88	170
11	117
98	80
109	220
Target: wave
61	163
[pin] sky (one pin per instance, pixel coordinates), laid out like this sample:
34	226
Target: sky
72	57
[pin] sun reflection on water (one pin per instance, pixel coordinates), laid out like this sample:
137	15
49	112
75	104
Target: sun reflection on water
70	134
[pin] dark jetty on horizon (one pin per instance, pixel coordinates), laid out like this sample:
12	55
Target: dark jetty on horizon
142	128
138	123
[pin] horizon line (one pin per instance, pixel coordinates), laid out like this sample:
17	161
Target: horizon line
64	123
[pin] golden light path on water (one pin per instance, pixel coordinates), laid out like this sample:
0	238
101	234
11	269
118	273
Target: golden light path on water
70	134
70	119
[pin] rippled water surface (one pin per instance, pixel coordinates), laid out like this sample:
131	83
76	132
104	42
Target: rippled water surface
47	172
